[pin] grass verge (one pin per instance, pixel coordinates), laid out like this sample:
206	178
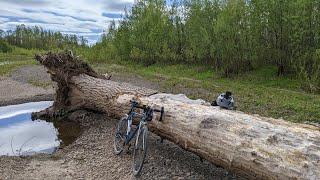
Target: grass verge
19	57
6	68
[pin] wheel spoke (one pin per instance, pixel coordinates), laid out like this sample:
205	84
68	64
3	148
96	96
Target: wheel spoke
140	151
119	138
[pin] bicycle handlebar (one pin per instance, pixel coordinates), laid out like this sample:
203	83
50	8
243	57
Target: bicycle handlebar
144	107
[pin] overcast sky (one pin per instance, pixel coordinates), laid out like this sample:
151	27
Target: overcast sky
87	18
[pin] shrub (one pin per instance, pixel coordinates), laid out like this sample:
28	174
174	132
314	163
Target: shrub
309	71
5	47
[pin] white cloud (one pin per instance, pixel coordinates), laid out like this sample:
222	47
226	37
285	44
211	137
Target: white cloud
83	17
28	135
14	110
3	20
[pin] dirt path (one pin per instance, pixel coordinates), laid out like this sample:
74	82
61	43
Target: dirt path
91	155
19	86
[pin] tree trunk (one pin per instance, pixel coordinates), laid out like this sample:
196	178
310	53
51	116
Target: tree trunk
250	145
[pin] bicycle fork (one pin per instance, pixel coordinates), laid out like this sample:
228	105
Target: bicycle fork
141	125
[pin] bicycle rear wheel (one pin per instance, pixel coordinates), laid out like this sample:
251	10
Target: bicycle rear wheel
119	138
140	150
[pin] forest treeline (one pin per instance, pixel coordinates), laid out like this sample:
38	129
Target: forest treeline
37	38
231	36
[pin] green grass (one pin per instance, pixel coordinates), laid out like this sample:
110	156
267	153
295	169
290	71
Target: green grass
7	68
19	57
257	92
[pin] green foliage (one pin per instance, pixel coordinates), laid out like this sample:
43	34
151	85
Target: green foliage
18	57
229	36
199	31
310	71
151	31
232	36
5	47
38	38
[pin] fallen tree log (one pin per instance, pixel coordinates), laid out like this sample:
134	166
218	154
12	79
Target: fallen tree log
254	146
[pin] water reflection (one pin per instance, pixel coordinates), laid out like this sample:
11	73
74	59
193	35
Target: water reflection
19	135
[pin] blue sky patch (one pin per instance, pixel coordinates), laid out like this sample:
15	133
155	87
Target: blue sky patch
88	18
112	15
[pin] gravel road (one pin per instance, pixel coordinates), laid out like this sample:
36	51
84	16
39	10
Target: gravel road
32	73
16	88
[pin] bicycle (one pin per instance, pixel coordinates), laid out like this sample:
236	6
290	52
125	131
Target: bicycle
125	133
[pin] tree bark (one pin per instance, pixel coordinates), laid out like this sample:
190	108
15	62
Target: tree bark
253	146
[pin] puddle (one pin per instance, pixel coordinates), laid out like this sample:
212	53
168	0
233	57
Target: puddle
20	136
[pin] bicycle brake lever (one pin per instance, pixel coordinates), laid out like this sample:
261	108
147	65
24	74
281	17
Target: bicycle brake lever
162	112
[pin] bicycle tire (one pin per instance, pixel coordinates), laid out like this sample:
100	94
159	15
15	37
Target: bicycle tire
140	150
119	138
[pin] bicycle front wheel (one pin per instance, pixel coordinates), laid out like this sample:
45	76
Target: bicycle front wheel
140	150
119	138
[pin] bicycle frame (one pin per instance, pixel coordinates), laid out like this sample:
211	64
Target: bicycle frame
130	134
